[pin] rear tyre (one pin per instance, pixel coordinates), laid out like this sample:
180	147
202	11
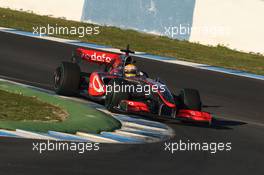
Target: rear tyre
190	99
67	79
113	98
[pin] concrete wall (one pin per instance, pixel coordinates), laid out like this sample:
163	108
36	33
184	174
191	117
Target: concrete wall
241	22
144	15
237	24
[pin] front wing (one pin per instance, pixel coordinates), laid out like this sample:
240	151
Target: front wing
182	114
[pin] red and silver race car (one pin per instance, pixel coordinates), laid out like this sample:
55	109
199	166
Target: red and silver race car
123	88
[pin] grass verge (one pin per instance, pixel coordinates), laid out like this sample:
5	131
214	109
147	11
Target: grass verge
163	46
81	116
16	107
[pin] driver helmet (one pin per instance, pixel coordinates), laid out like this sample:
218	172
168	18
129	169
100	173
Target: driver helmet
130	70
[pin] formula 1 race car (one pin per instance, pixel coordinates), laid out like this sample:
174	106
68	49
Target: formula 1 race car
122	88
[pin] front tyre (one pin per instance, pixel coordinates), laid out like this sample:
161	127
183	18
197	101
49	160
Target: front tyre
113	98
190	99
67	79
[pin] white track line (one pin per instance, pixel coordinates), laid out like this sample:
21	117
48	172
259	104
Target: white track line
19	134
144	127
96	138
35	135
140	136
67	136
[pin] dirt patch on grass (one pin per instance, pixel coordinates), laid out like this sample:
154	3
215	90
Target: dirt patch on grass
17	107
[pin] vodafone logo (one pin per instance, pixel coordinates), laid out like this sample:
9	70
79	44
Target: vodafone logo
97	85
97	56
131	103
101	58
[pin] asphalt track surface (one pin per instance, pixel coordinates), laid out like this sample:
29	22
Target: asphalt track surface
237	102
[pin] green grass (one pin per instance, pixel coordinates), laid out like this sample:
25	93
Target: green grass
163	46
81	116
16	107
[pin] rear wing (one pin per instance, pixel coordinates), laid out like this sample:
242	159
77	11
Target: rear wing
98	57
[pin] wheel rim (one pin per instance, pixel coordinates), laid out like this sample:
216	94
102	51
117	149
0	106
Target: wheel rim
57	78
